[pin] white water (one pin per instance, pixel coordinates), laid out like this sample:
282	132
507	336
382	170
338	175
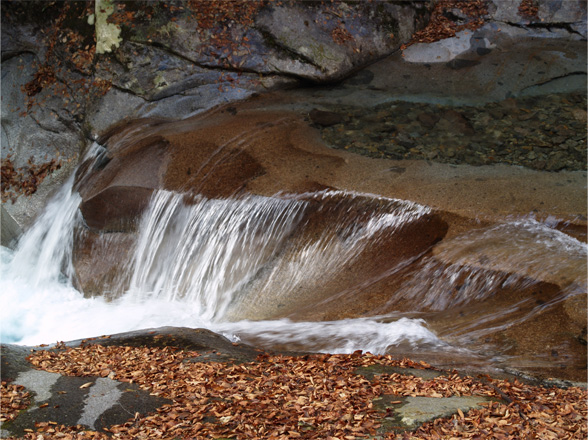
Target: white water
487	259
204	254
216	263
190	263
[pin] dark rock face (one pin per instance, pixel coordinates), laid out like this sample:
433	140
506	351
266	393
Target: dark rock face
324	118
169	62
551	14
100	402
10	229
48	134
178	57
116	208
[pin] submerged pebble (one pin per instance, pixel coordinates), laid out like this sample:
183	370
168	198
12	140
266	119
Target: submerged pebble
540	132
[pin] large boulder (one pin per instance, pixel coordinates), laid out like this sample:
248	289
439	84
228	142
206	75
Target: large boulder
568	16
47	133
185	60
70	70
488	63
318	41
231	152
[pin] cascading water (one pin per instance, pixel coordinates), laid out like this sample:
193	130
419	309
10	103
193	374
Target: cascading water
205	252
474	268
37	273
47	246
482	261
192	263
243	266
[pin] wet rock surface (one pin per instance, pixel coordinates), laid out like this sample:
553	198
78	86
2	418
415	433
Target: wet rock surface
410	412
471	203
11	231
492	65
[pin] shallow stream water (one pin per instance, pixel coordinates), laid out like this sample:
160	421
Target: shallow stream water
330	271
257	268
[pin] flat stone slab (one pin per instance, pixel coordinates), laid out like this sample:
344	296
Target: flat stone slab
101	402
94	402
408	413
418	410
377	370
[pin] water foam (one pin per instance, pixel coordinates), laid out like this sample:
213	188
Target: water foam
373	335
34	314
190	262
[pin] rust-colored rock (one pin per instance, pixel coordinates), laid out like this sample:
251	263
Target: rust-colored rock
102	263
209	169
217	155
116	209
260	151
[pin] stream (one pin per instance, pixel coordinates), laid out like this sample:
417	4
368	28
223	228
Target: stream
449	233
267	271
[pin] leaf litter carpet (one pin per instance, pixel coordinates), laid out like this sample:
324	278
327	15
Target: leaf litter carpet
318	396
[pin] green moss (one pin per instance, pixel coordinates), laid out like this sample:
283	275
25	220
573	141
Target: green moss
321	54
160	82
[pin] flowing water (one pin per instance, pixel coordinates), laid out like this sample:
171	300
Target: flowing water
190	265
247	266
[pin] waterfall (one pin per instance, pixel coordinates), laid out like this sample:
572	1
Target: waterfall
37	274
205	252
194	258
240	266
473	266
44	253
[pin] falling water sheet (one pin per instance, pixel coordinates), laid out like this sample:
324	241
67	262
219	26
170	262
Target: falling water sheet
42	306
